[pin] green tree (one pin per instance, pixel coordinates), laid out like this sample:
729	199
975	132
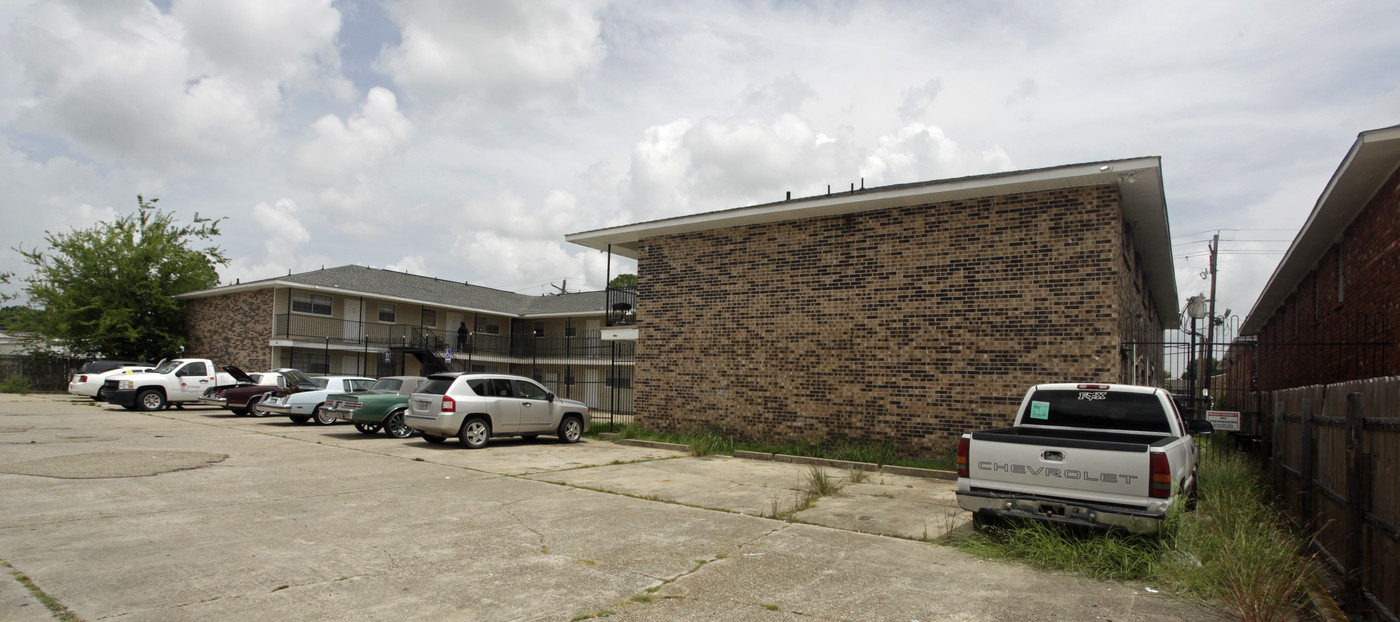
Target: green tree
623	281
109	289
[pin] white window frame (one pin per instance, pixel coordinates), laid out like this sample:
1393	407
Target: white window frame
393	313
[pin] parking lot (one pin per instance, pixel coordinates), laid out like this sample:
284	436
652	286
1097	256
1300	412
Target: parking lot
197	514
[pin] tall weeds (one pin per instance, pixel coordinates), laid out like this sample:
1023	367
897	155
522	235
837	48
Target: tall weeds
1235	551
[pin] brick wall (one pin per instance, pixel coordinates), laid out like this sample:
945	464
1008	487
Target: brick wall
1302	343
908	325
232	329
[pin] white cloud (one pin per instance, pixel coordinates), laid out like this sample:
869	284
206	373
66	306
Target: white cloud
685	167
344	156
265	42
412	264
492	54
119	83
921	152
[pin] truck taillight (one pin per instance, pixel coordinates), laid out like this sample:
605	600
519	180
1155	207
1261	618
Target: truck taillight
1093	387
963	444
449	405
1160	486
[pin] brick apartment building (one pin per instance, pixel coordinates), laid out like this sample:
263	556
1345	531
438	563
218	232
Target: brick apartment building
1331	309
367	321
905	314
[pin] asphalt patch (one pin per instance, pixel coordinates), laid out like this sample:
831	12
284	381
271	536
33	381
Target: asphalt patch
113	464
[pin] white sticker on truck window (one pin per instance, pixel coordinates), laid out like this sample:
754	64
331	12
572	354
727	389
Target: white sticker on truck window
1040	410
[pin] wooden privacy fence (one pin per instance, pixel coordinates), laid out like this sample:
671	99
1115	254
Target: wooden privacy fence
1336	466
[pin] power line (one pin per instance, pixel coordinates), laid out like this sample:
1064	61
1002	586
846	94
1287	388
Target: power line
1189	235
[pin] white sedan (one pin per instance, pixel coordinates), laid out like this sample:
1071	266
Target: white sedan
90	385
307	405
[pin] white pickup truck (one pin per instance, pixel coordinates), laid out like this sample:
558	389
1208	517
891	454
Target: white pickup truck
175	381
1096	455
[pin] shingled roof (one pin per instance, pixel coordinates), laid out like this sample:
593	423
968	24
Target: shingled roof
355	280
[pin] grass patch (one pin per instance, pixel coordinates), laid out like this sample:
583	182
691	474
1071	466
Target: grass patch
822	485
715	442
58	609
17	384
1235	551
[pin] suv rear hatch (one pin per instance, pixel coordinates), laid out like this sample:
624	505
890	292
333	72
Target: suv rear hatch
427	399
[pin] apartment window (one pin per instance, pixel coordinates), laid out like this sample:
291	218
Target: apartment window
306	302
570	329
430	317
386	312
620	379
488	325
539	329
1341	277
311	362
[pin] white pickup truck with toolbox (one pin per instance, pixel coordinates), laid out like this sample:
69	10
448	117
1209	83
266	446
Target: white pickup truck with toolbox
175	381
1095	455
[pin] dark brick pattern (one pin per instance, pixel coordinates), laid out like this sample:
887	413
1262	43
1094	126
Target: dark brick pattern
907	325
1303	343
231	329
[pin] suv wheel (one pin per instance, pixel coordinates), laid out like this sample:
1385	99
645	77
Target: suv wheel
571	429
475	433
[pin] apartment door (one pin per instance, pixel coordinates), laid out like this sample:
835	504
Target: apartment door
454	320
351	332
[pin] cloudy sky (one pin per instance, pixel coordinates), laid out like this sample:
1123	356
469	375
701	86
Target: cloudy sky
464	139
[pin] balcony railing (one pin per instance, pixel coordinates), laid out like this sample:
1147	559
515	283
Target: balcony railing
376	336
622	307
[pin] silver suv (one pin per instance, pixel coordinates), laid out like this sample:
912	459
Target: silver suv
476	407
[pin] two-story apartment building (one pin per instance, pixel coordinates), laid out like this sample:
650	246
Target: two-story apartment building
903	314
368	321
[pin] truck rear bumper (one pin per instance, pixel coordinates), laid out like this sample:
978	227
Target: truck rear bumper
1083	514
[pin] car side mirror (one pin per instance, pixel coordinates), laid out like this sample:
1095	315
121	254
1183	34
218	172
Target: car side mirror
550	398
1200	427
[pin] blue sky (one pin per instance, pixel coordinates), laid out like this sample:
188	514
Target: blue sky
464	139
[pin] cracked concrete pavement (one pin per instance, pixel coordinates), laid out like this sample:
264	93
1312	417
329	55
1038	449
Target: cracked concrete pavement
196	514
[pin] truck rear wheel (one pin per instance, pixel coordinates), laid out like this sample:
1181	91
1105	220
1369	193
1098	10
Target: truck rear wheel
983	522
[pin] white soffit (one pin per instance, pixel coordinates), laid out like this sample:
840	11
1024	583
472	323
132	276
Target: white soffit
1373	158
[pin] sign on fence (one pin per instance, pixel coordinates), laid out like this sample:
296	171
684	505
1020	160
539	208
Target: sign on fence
1224	420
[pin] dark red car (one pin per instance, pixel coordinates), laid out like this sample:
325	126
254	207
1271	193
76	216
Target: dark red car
243	398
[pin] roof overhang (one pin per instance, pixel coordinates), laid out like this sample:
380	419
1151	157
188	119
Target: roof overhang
1372	160
341	291
1139	182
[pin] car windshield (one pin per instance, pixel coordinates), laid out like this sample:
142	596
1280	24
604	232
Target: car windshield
1140	412
168	366
387	385
296	378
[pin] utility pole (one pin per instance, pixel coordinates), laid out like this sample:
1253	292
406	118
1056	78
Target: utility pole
1204	364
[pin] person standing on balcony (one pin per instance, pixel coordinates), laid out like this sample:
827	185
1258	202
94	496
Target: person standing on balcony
462	334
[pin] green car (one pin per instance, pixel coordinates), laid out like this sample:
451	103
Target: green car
380	408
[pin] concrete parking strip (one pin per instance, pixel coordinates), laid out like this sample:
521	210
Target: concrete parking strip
302	522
